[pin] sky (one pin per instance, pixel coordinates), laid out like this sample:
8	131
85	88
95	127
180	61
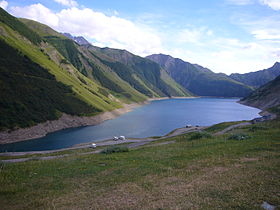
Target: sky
228	36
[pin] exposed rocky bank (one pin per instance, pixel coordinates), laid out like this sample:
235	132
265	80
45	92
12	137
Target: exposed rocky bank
65	121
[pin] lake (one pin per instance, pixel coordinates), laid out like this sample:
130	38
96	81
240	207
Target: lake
154	119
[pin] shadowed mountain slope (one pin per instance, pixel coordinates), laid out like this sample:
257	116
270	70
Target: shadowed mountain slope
199	80
266	96
258	78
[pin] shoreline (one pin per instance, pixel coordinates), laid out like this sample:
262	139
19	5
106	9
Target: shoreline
172	97
64	122
69	121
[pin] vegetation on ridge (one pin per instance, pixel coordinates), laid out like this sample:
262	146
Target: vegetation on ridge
21	28
71	91
30	94
145	75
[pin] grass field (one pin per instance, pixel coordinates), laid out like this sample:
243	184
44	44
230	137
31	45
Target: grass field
204	173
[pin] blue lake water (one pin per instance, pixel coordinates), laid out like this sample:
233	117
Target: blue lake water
155	119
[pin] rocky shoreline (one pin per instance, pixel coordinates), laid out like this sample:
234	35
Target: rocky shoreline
65	121
68	121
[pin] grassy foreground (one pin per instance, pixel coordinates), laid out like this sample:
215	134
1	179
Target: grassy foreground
203	173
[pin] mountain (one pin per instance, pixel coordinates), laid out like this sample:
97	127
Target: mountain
128	82
37	84
86	64
79	39
266	96
258	78
199	80
44	74
143	74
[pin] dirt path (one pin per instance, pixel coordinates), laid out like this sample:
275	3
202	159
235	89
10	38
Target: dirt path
232	127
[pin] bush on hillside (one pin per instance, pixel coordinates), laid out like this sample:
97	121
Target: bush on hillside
114	149
239	137
257	128
200	135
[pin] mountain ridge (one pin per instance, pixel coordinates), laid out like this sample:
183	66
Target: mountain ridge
258	78
265	97
200	80
87	78
79	39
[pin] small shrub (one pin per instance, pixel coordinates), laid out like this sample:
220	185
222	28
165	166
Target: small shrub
114	149
64	61
257	127
239	137
156	137
200	135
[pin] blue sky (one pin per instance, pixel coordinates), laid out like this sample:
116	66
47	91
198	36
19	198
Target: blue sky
224	35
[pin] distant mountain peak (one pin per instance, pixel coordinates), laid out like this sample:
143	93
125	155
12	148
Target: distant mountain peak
79	39
276	64
258	78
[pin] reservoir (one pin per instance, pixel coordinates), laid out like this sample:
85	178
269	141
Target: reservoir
154	119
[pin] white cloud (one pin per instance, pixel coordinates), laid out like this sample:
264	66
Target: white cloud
4	4
266	28
193	35
68	3
267	34
230	55
36	12
200	45
274	4
103	30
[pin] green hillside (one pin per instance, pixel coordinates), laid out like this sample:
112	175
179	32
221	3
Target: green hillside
200	81
78	80
30	94
132	78
21	28
64	89
86	65
180	172
145	75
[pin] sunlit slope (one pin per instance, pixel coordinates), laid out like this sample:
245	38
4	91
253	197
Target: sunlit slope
144	75
30	46
86	64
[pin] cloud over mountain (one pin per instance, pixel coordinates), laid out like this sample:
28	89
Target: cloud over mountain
101	29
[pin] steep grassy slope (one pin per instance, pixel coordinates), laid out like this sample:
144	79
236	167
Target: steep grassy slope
21	28
258	78
265	97
39	28
127	79
87	65
30	94
146	75
85	96
200	81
